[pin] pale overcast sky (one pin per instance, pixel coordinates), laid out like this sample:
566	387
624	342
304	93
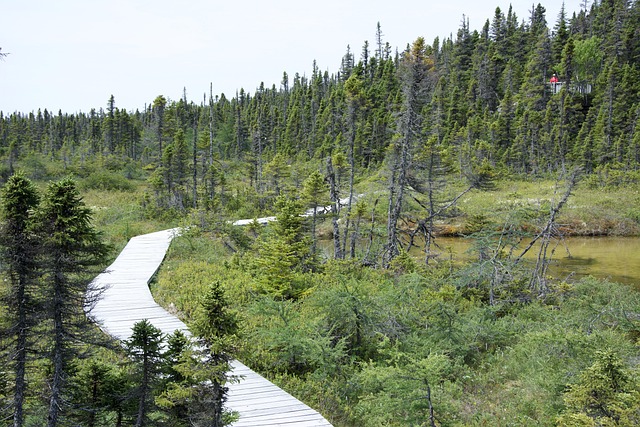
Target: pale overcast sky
74	54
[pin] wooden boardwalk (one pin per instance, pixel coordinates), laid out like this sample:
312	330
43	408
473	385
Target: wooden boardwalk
126	299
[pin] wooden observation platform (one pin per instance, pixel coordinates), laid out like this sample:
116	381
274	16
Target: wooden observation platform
582	88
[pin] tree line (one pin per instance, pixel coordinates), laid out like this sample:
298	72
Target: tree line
488	98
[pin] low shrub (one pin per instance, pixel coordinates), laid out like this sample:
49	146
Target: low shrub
103	180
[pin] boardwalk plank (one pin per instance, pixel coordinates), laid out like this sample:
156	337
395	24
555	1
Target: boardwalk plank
125	299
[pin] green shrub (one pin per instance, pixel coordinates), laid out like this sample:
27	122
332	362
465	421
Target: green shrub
103	180
36	167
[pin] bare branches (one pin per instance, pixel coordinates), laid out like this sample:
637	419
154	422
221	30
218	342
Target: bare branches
550	226
538	280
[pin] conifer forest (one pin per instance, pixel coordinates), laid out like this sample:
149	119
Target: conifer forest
510	137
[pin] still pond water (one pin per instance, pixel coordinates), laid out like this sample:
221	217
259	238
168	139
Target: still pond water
613	258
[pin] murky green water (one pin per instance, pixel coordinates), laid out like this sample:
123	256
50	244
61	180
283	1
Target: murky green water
614	258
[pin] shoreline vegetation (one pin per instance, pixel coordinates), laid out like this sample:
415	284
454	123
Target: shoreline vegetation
589	212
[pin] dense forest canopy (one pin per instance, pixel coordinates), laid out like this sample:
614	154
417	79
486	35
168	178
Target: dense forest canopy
487	99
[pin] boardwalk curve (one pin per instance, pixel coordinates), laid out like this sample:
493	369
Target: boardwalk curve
126	299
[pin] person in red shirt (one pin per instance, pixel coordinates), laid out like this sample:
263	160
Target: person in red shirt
554	79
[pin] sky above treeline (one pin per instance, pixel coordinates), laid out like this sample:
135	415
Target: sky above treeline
72	55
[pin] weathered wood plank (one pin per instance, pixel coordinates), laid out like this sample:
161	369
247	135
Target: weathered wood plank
125	299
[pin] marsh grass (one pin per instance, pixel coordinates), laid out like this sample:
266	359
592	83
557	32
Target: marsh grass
119	216
589	211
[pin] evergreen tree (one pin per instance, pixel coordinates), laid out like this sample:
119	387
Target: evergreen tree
335	206
605	394
176	381
109	126
71	251
92	392
357	217
19	250
355	97
283	253
145	348
215	327
277	170
560	36
197	379
484	91
159	105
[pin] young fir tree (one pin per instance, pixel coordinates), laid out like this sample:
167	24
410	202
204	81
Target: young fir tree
18	259
119	386
216	329
176	382
145	348
159	105
283	253
91	393
200	375
71	249
606	394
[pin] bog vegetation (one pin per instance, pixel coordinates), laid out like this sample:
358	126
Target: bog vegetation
353	307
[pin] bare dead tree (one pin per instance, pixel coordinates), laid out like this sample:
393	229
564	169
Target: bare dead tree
371	231
415	71
335	209
550	231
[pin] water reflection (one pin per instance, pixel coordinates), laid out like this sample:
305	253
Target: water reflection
613	258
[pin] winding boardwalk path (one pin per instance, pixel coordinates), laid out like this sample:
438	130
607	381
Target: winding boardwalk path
126	299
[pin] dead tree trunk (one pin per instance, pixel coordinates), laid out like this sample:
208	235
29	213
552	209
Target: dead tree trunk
335	210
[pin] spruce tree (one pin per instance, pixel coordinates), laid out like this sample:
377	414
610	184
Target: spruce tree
145	348
314	191
72	249
159	105
355	97
18	259
196	389
605	394
283	253
215	329
109	126
560	36
176	380
335	209
91	392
